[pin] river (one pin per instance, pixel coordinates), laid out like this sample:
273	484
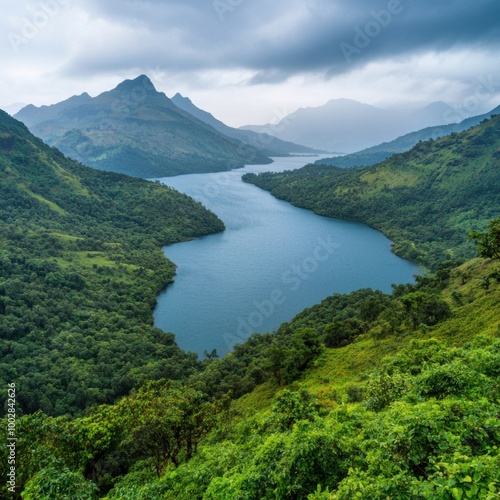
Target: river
273	261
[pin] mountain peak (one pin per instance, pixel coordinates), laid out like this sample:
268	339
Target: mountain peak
141	82
178	98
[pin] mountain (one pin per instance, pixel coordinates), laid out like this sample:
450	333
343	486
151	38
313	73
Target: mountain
80	269
376	154
265	143
424	200
348	126
134	129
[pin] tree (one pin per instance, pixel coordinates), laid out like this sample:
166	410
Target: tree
489	241
166	423
424	308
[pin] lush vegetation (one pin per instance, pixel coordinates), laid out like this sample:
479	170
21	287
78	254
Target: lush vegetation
80	268
405	406
366	395
425	200
135	130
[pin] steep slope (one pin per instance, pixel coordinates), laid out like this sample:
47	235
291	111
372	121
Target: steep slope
376	154
424	200
265	143
134	129
406	410
80	268
344	125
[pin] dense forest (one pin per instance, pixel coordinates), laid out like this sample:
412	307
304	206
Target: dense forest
424	200
365	395
80	268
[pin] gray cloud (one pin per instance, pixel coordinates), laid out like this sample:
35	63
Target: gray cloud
286	37
232	54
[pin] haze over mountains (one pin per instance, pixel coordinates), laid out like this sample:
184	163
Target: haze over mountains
344	125
376	154
136	130
263	141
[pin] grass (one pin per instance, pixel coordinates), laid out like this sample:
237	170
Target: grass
338	369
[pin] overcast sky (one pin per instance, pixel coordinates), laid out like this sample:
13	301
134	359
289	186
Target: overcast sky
254	61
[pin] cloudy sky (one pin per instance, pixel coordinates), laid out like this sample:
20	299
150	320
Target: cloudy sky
254	61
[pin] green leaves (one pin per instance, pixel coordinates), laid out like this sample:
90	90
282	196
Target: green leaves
164	423
488	242
59	483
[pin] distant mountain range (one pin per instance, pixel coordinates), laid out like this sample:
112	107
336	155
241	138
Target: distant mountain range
136	130
344	125
376	154
265	143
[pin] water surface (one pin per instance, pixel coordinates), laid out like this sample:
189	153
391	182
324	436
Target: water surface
273	261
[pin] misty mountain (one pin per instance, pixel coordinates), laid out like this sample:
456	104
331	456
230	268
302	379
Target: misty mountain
344	125
267	144
376	154
136	130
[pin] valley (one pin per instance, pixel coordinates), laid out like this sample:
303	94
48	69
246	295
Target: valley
391	393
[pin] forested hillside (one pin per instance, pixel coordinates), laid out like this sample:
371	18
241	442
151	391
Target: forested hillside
365	395
80	268
424	200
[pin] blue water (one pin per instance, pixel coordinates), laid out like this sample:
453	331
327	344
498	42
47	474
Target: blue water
273	261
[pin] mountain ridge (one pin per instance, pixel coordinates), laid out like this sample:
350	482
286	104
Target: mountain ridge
266	143
376	154
349	126
136	130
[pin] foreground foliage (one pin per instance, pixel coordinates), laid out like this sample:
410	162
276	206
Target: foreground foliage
423	422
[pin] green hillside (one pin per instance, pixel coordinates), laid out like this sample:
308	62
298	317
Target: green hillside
81	266
405	408
424	200
365	395
136	130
